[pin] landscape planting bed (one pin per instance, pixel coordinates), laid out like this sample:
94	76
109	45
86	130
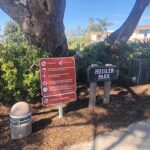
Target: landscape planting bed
80	124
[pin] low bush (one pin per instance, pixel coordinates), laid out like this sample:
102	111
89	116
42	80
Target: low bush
100	54
95	54
19	73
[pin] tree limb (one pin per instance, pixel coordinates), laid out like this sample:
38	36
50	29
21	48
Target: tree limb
119	38
17	11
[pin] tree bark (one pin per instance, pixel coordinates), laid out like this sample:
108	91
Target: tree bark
41	21
120	37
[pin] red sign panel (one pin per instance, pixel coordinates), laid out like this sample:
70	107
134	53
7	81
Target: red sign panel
58	76
56	99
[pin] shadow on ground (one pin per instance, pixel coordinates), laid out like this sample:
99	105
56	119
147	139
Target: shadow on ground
125	108
80	123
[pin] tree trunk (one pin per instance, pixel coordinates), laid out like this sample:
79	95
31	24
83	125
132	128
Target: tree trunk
41	21
119	38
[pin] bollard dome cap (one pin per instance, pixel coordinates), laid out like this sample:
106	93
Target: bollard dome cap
20	109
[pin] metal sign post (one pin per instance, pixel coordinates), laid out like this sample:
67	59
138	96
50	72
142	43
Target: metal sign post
60	107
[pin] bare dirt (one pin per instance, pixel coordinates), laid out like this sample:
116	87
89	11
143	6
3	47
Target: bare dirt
80	124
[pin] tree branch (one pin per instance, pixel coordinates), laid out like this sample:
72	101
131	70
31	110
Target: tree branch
119	38
15	9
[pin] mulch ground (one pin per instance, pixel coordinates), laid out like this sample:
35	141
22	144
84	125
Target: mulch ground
80	124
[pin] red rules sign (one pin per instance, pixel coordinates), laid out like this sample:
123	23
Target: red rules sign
58	80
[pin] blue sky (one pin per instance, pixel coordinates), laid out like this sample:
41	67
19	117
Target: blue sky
78	12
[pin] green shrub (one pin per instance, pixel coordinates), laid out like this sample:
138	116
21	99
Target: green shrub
137	50
95	54
100	54
19	73
132	50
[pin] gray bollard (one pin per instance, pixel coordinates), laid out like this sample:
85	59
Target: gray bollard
20	120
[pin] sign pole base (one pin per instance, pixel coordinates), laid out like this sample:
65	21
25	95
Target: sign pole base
60	106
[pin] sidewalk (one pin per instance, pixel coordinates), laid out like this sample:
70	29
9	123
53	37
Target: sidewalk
136	137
